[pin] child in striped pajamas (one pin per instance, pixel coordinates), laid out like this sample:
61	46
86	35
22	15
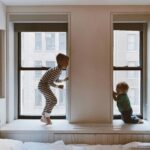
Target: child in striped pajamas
48	79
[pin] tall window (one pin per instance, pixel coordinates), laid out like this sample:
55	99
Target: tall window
32	65
128	62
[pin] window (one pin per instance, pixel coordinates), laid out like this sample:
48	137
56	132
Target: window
38	98
132	74
132	63
128	63
30	69
38	74
62	41
132	42
62	94
50	40
133	96
2	68
50	64
38	41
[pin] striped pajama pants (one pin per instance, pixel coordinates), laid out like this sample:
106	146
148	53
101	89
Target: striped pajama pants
51	100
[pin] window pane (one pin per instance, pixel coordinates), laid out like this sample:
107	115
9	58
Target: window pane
50	64
37	63
126	48
38	41
133	79
32	101
50	40
47	47
38	98
62	41
38	73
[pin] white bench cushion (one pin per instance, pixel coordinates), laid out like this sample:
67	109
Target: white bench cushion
8	144
59	145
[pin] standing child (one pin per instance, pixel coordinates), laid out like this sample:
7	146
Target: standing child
48	79
123	103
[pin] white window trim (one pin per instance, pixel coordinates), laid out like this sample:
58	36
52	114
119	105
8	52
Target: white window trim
132	18
12	59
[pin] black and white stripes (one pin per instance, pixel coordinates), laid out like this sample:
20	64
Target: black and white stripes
47	80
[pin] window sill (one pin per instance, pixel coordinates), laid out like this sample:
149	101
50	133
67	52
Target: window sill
62	126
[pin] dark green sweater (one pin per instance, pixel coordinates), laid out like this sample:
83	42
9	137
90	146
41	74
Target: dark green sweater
123	103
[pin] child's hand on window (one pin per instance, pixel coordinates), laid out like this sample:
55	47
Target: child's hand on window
114	93
67	78
61	86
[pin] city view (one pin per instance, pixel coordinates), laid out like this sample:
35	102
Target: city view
39	49
127	54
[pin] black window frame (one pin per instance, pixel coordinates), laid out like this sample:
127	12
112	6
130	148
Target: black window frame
27	27
133	27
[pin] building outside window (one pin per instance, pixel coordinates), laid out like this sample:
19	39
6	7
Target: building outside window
132	75
62	94
132	42
50	40
62	41
38	98
38	73
50	64
38	41
133	96
30	70
132	63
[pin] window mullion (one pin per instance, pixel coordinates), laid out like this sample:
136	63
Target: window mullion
127	68
32	68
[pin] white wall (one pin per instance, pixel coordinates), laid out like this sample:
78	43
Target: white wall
2	49
148	72
2	17
10	74
91	57
2	111
2	65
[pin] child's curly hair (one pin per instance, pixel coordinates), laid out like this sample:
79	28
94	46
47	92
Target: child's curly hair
61	57
123	86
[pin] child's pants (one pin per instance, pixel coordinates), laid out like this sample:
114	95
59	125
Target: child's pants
127	117
51	100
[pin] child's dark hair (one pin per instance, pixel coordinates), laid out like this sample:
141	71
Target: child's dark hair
60	57
123	86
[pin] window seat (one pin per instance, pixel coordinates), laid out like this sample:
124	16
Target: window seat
63	126
115	133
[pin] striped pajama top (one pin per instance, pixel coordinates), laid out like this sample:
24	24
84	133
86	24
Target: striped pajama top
52	75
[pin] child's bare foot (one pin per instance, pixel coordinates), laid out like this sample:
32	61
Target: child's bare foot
48	120
140	121
43	119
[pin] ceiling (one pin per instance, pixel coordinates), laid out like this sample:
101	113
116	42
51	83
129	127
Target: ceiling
76	2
